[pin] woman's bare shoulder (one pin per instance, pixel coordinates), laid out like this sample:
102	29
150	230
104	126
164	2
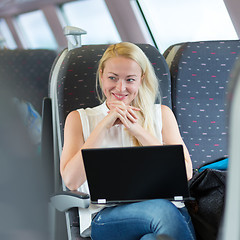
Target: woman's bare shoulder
166	110
73	119
73	114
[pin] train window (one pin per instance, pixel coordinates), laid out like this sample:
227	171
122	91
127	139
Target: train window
35	30
6	36
94	17
175	21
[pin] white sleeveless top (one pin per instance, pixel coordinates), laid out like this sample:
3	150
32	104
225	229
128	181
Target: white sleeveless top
117	137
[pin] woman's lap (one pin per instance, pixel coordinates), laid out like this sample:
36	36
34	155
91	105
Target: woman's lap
144	220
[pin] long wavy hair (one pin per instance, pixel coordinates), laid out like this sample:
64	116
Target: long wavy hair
148	91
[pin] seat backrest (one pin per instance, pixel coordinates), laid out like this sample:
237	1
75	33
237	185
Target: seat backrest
77	76
26	74
200	73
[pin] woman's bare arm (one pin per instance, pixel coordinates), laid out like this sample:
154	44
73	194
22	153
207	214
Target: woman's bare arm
71	163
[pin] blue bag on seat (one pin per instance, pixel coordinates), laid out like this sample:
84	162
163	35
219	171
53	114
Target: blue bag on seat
219	165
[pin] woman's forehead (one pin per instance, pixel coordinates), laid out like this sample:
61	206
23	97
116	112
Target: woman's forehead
119	64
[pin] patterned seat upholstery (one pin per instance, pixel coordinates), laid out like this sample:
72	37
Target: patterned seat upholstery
76	89
200	73
26	74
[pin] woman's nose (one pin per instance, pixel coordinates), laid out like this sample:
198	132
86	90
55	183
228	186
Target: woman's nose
120	85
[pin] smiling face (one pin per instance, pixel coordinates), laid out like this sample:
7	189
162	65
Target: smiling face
121	79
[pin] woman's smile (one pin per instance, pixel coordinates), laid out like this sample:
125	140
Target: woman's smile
119	97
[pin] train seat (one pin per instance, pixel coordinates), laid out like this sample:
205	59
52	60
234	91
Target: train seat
26	73
200	74
73	86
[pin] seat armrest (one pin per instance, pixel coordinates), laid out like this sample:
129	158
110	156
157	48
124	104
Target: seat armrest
65	200
47	150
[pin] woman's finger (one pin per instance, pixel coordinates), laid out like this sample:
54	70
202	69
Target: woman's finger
127	113
122	105
122	117
134	108
133	114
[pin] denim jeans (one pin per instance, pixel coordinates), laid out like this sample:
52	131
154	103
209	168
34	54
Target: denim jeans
145	220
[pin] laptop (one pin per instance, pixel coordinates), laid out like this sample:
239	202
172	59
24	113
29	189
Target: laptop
132	174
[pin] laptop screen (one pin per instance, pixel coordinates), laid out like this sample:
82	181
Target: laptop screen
133	174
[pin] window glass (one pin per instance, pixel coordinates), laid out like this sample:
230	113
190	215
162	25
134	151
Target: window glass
175	21
93	17
6	37
35	30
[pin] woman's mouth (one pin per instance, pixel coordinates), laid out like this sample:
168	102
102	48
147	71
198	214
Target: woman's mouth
119	97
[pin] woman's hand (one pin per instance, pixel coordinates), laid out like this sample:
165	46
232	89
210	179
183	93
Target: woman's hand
120	113
127	115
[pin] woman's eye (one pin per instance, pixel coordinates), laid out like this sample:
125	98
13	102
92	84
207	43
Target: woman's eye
112	78
130	79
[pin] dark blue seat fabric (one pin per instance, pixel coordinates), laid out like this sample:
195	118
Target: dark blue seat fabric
200	73
26	74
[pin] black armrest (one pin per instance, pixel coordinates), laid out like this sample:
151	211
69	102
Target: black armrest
47	154
65	200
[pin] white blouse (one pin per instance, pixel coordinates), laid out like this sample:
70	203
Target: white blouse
117	137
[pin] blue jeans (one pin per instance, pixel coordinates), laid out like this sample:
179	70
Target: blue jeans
145	220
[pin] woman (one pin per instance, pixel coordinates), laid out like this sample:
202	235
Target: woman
126	117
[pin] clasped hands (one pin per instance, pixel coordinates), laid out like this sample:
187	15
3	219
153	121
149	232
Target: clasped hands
120	113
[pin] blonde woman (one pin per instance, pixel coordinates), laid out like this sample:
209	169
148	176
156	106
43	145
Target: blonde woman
127	116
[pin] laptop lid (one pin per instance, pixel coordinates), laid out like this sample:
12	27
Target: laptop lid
131	174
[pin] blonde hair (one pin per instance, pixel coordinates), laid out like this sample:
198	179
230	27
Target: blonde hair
148	90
